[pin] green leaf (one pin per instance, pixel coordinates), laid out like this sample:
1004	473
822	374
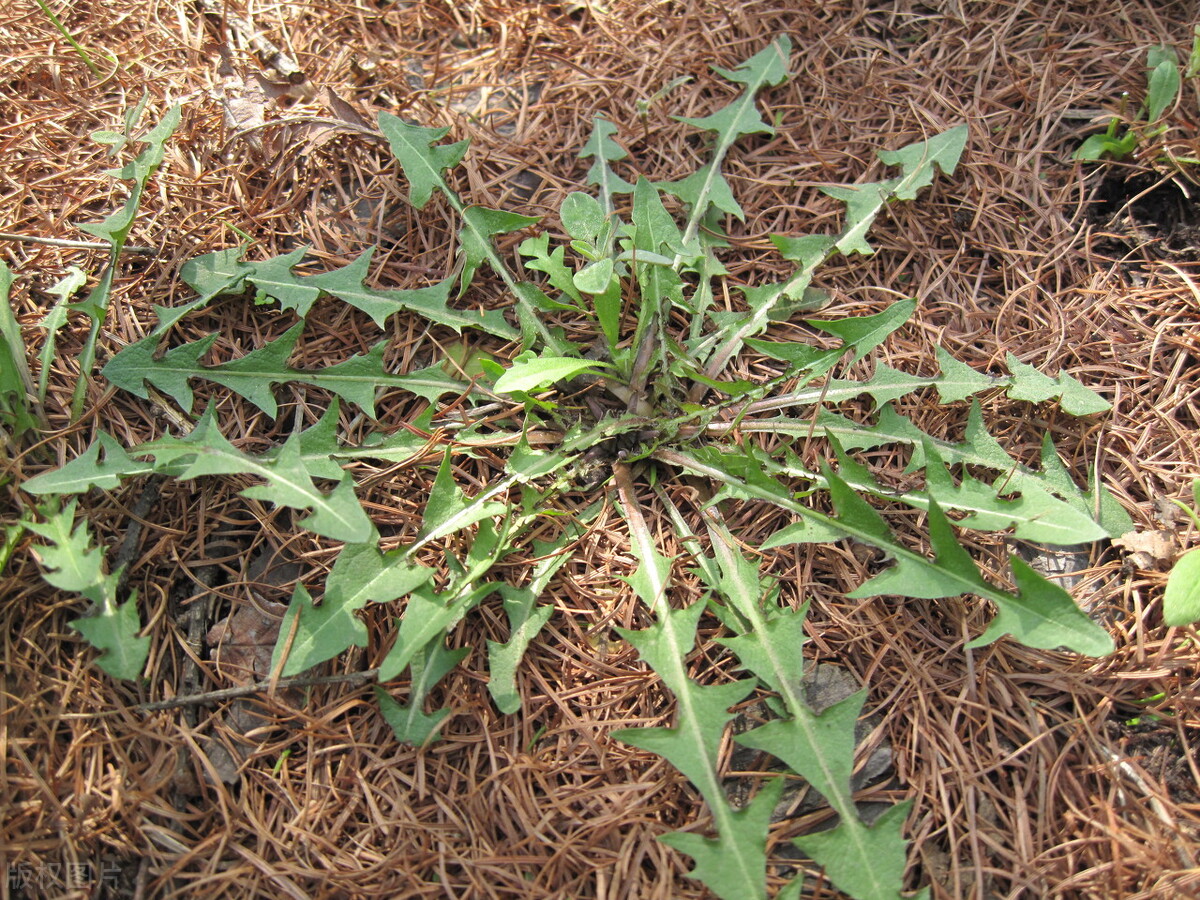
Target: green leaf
422	162
525	618
1181	602
1163	81
63	289
917	161
552	264
480	225
1031	385
582	216
958	381
594	278
217	273
104	464
1040	615
529	372
865	333
252	376
15	384
449	510
322	633
115	229
1043	615
113	630
603	150
274	279
655	230
741	117
703	711
745	840
360	575
842	855
205	451
69	561
409	722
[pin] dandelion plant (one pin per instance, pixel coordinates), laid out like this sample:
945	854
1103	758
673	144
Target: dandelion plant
652	396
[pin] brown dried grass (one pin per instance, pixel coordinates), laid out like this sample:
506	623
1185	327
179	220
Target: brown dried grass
1027	780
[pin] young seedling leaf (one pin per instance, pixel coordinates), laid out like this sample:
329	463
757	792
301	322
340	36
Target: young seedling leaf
1181	602
529	372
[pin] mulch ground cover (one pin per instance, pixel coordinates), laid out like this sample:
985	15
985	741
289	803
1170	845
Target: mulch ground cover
1034	774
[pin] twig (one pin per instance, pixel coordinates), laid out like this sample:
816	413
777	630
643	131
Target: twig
133	533
73	245
246	689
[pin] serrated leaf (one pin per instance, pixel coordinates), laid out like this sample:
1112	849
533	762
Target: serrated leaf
427	617
820	748
745	840
322	632
252	376
552	264
1043	615
691	746
69	562
703	186
274	278
205	451
503	658
103	464
958	381
1031	385
737	119
216	273
655	230
917	161
842	855
978	449
865	333
422	162
113	630
480	225
116	227
409	721
603	150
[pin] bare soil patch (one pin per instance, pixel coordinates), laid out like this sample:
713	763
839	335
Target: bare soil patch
1034	774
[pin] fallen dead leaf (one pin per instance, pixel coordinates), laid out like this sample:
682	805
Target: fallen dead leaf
1149	549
